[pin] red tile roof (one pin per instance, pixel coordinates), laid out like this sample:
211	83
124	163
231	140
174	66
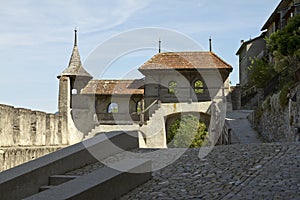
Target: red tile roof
185	60
114	87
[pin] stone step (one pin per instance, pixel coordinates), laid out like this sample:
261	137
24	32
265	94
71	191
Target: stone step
46	187
106	182
60	179
34	174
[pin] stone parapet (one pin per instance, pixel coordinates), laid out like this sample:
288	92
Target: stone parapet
24	127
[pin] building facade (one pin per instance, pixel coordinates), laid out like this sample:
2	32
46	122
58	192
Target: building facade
256	48
173	83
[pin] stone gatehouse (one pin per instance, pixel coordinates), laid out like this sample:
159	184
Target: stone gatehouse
174	82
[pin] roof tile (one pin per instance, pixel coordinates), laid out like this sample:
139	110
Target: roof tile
114	87
185	60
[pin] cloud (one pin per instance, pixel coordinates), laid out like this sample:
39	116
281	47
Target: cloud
33	22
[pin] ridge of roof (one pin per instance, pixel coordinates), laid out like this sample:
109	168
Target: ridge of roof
262	35
282	4
185	60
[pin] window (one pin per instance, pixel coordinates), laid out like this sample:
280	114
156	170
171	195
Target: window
198	87
139	106
113	108
74	91
172	87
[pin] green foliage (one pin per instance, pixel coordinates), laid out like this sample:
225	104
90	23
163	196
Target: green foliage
283	99
261	72
285	45
172	87
258	115
198	87
187	132
286	41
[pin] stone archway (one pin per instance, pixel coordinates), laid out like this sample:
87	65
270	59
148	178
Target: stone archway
170	119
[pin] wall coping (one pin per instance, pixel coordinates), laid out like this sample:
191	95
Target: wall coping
28	177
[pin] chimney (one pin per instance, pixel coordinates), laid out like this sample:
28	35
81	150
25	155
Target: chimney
159	46
210	44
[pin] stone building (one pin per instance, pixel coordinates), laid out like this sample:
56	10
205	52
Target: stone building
283	12
251	49
256	48
173	83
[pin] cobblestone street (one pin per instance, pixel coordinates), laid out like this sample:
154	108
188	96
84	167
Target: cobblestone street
254	171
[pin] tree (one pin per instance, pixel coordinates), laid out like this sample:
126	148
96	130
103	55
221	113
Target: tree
260	72
187	132
285	46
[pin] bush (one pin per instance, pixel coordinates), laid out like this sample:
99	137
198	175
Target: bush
187	132
283	99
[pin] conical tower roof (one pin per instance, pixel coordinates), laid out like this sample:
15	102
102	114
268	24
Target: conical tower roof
75	67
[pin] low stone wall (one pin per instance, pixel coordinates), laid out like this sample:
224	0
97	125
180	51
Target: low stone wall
14	156
278	124
24	127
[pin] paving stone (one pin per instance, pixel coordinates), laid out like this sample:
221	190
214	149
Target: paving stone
256	171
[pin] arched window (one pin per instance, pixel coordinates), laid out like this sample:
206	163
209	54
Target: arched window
172	87
198	87
113	108
139	106
74	91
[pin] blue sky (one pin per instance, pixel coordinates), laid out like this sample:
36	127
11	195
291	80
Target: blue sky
36	37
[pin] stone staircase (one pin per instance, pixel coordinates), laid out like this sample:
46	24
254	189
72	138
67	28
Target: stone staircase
76	172
94	181
105	128
56	180
153	131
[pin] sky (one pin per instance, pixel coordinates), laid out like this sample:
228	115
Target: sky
36	38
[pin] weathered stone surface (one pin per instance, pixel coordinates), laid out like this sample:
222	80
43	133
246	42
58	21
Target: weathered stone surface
256	171
280	124
13	156
24	127
27	134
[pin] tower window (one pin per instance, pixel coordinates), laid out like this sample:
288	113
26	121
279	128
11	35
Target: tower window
113	108
74	91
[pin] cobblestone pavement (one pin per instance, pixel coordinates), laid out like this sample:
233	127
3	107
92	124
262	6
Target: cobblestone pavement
242	131
253	171
243	171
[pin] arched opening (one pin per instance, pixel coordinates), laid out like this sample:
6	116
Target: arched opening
139	106
172	87
198	87
187	130
113	108
74	91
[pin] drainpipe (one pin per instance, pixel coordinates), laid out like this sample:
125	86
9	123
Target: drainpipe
289	137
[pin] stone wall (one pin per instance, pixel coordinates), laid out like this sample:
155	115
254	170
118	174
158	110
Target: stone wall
24	127
27	134
13	156
277	124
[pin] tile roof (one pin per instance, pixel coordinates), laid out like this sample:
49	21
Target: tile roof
114	87
185	60
283	4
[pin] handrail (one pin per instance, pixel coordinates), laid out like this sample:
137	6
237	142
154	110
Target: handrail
152	104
